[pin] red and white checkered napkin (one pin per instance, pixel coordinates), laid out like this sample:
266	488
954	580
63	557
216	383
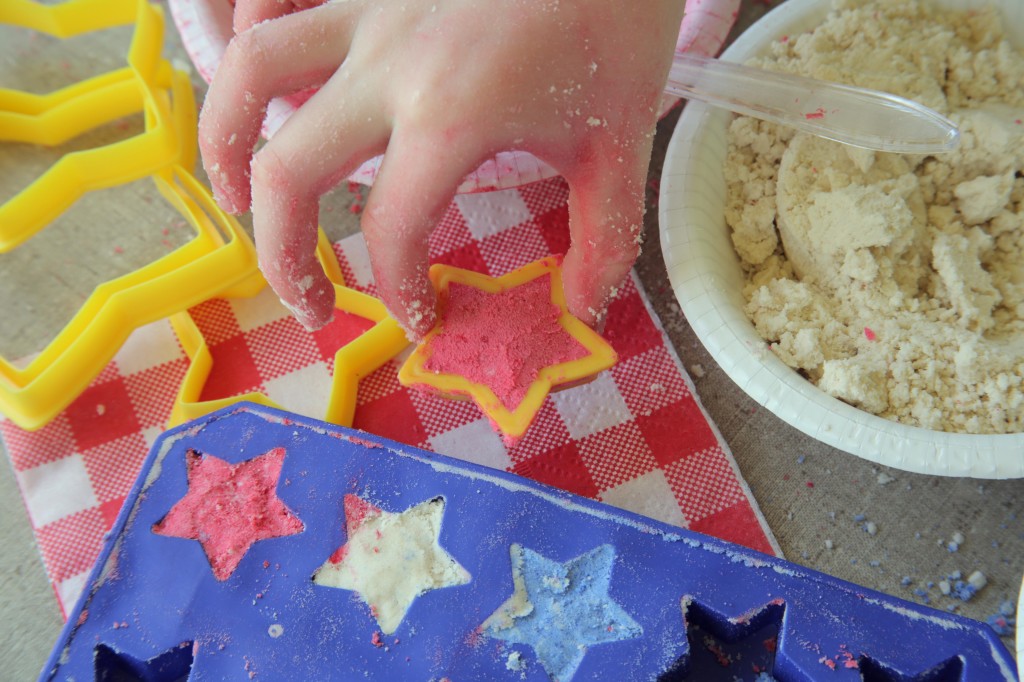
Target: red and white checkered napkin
636	437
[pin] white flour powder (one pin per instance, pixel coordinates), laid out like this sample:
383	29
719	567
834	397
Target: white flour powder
895	283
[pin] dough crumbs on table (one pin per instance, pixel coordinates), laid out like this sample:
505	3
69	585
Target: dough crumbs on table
893	282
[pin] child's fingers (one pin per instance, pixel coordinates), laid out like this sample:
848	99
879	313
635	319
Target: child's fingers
321	144
606	209
415	184
290	53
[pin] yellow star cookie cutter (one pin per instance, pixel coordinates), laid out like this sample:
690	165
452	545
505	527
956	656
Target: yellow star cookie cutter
54	118
220	259
511	423
352	362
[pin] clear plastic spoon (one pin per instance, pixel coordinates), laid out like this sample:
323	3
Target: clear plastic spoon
856	116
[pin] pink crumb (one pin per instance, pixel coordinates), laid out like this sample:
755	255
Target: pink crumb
502	340
376	640
869	334
817	113
364	442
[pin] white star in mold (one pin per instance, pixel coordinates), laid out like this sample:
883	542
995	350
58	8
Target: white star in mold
561	609
390	559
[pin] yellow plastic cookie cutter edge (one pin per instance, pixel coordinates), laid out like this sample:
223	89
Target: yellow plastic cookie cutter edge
219	260
59	116
352	362
511	423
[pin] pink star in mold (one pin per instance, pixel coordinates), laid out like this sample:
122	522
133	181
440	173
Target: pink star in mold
228	507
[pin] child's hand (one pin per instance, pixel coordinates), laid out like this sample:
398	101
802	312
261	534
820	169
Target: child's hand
439	86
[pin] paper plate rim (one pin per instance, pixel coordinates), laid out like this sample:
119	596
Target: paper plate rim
705	275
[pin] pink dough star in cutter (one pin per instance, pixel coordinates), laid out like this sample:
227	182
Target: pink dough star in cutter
505	342
228	507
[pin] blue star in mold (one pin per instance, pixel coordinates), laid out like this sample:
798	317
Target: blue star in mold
561	609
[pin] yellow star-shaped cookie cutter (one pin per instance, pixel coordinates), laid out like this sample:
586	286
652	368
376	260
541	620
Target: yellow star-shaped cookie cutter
220	259
57	117
512	423
352	362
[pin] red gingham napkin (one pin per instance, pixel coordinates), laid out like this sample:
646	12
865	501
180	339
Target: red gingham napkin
636	437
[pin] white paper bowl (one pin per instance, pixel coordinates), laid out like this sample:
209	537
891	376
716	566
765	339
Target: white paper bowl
707	279
205	28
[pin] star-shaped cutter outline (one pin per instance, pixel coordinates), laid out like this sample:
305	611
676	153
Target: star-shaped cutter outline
219	260
54	118
512	423
352	362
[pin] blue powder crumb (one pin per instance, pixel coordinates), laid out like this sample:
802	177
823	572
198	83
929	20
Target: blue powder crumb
953	547
964	591
1007	608
906	580
1001	624
859	517
800	459
764	677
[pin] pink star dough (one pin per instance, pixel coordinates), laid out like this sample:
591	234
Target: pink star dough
501	340
228	507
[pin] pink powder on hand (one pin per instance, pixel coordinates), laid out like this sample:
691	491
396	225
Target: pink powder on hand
228	507
502	340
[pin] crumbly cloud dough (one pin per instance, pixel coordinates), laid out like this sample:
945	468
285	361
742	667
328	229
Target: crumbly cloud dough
894	283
